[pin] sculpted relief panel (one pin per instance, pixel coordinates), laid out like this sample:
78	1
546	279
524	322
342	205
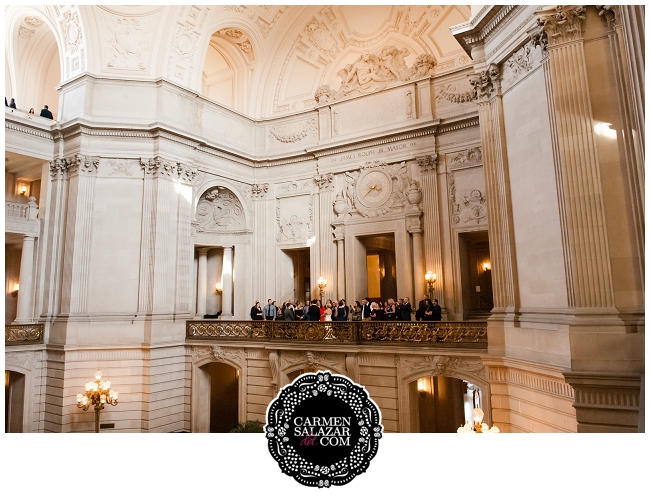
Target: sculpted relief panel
466	186
295	218
376	189
219	210
128	42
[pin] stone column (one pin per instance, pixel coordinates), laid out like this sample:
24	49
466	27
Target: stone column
202	282
414	227
584	233
487	86
339	237
327	267
432	245
82	174
260	237
226	283
24	314
183	307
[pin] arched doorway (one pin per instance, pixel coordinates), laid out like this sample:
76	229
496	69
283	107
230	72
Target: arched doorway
224	396
14	401
442	404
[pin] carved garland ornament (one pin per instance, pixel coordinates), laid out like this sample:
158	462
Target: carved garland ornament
281	135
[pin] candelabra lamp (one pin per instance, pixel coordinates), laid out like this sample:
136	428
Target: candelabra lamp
430	277
322	283
98	393
479	426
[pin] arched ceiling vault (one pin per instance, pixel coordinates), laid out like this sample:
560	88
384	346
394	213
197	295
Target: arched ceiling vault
286	52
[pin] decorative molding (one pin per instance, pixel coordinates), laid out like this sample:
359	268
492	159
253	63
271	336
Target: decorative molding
321	37
160	168
289	360
472	155
438	365
295	187
295	227
448	92
129	42
428	164
219	210
281	134
530	380
25	32
325	182
122	166
72	34
217	353
34	22
24	360
81	164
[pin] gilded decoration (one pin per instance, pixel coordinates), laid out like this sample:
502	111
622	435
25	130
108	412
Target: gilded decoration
24	334
375	189
219	210
471	335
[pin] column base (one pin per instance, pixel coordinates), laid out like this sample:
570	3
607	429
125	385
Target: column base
606	402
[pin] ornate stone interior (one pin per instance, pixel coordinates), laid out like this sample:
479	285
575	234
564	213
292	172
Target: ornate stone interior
204	157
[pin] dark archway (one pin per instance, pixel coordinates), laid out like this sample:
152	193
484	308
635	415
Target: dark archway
224	396
437	404
14	401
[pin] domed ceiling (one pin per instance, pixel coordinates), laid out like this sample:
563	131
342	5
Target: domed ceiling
261	60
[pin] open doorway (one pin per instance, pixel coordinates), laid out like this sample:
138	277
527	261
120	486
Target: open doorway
14	401
299	287
441	404
476	275
380	266
224	396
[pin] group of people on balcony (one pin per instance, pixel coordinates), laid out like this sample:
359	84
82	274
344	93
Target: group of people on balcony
428	310
45	112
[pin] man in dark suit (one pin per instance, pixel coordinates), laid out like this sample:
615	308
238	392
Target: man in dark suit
46	113
365	309
437	311
419	314
314	312
406	310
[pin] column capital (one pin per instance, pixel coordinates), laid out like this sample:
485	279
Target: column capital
259	190
159	167
203	250
429	163
338	231
228	248
325	182
487	84
414	223
562	23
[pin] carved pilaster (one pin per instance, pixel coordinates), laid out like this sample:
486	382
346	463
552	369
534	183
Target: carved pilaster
352	366
432	244
81	173
274	362
584	234
497	186
328	252
339	237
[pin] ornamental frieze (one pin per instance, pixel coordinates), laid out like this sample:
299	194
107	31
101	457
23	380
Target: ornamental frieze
449	366
293	133
217	353
291	359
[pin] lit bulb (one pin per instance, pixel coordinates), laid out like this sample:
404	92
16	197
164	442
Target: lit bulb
102	398
98	374
107	384
88	386
115	395
477	415
84	400
79	397
95	386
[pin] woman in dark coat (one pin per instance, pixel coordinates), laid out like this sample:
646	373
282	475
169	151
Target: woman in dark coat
428	311
256	312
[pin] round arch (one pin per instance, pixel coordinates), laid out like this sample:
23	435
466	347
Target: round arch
33	58
232	189
404	392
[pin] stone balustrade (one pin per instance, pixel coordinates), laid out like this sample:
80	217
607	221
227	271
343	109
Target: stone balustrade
472	335
22	218
17	335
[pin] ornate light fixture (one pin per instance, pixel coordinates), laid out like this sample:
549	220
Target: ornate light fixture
430	277
217	288
98	393
479	426
322	283
486	266
15	291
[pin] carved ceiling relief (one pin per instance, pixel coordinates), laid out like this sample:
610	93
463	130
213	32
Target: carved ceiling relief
129	41
240	39
376	189
295	218
219	210
182	58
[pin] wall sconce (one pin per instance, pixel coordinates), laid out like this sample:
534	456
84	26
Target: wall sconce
98	393
322	283
486	266
15	291
217	287
21	188
421	387
430	277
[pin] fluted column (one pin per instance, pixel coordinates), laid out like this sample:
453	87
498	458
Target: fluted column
202	282
24	314
82	174
327	267
414	226
578	177
339	237
431	234
487	86
226	283
260	240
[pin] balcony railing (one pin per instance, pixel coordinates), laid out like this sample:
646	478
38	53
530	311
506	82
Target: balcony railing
16	335
439	334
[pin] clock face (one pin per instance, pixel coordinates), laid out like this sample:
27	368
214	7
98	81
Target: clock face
374	188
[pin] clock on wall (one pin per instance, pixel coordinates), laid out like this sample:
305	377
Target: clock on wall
374	188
